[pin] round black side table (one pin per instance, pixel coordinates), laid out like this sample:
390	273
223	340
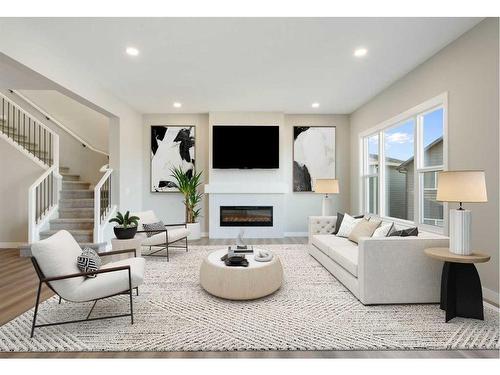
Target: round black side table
461	293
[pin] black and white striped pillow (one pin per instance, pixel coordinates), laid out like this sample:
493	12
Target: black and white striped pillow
159	226
89	261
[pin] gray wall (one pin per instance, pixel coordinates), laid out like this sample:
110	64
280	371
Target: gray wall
468	70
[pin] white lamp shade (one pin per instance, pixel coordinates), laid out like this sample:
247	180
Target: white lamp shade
326	186
461	186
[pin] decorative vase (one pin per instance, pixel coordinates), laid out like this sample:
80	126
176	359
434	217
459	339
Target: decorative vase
194	231
125	233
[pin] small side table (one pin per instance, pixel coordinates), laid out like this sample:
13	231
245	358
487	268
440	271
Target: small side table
461	293
133	243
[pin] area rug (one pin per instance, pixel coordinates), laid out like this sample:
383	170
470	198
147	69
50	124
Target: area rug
311	311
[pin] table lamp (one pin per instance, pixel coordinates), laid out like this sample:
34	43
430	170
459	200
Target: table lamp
461	187
326	186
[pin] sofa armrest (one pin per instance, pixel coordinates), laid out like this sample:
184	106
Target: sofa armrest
321	225
396	270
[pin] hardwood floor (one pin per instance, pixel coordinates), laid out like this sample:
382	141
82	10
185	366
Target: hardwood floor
18	283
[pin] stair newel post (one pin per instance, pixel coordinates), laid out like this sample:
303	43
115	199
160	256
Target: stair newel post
32	233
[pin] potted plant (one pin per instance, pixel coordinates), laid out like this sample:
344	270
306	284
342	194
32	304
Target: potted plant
188	186
127	225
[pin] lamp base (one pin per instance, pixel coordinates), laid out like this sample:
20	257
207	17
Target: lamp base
325	208
460	232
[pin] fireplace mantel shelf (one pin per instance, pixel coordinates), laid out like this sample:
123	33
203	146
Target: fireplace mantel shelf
247	188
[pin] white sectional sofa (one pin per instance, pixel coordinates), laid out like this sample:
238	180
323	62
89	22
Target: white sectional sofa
388	270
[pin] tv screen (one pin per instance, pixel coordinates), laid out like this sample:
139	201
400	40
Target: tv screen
245	147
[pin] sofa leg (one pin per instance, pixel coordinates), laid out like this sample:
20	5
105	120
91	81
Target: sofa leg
186	244
36	308
60	299
137	290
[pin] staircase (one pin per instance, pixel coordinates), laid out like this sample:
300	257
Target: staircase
56	190
76	210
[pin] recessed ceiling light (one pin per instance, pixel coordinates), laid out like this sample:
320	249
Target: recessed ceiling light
132	51
177	105
315	105
360	52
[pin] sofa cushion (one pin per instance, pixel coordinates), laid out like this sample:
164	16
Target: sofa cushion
341	250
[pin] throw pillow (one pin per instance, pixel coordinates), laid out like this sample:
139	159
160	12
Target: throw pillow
364	228
153	227
338	223
348	223
405	232
383	230
88	261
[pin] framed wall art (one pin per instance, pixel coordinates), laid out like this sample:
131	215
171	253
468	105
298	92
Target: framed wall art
171	146
313	155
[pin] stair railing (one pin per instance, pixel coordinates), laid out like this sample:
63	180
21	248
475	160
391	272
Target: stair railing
25	132
41	144
103	206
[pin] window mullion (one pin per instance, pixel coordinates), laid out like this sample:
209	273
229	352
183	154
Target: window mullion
381	174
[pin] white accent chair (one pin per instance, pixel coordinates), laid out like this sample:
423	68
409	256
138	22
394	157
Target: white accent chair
55	262
170	237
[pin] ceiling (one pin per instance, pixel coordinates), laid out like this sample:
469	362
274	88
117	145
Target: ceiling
245	64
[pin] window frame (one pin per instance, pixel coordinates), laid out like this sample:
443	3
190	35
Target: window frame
417	113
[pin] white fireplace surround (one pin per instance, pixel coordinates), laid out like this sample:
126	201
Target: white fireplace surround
228	194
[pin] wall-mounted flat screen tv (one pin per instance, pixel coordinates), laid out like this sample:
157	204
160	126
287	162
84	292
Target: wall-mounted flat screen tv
245	147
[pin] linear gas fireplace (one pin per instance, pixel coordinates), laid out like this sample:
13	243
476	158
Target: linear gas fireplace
246	216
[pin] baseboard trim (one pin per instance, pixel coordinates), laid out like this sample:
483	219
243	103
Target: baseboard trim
490	295
295	234
12	245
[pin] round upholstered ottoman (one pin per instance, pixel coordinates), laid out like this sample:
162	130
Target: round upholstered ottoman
257	280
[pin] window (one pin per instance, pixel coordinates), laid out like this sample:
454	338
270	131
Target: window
399	167
370	173
401	161
431	162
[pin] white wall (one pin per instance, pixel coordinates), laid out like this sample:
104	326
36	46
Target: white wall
125	139
17	173
90	125
168	206
468	70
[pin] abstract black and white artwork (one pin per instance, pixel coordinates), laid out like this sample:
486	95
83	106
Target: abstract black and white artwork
313	155
171	146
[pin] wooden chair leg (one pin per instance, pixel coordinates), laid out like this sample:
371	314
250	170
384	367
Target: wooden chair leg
36	308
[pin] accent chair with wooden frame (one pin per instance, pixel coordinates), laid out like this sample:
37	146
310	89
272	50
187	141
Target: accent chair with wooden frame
174	236
55	262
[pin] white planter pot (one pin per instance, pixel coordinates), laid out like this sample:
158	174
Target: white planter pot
194	231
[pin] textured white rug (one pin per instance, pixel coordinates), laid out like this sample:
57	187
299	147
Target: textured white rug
311	311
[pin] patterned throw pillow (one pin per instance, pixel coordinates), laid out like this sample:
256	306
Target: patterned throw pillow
89	261
159	226
405	232
348	224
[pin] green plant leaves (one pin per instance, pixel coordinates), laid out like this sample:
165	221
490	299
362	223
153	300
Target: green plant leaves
189	188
